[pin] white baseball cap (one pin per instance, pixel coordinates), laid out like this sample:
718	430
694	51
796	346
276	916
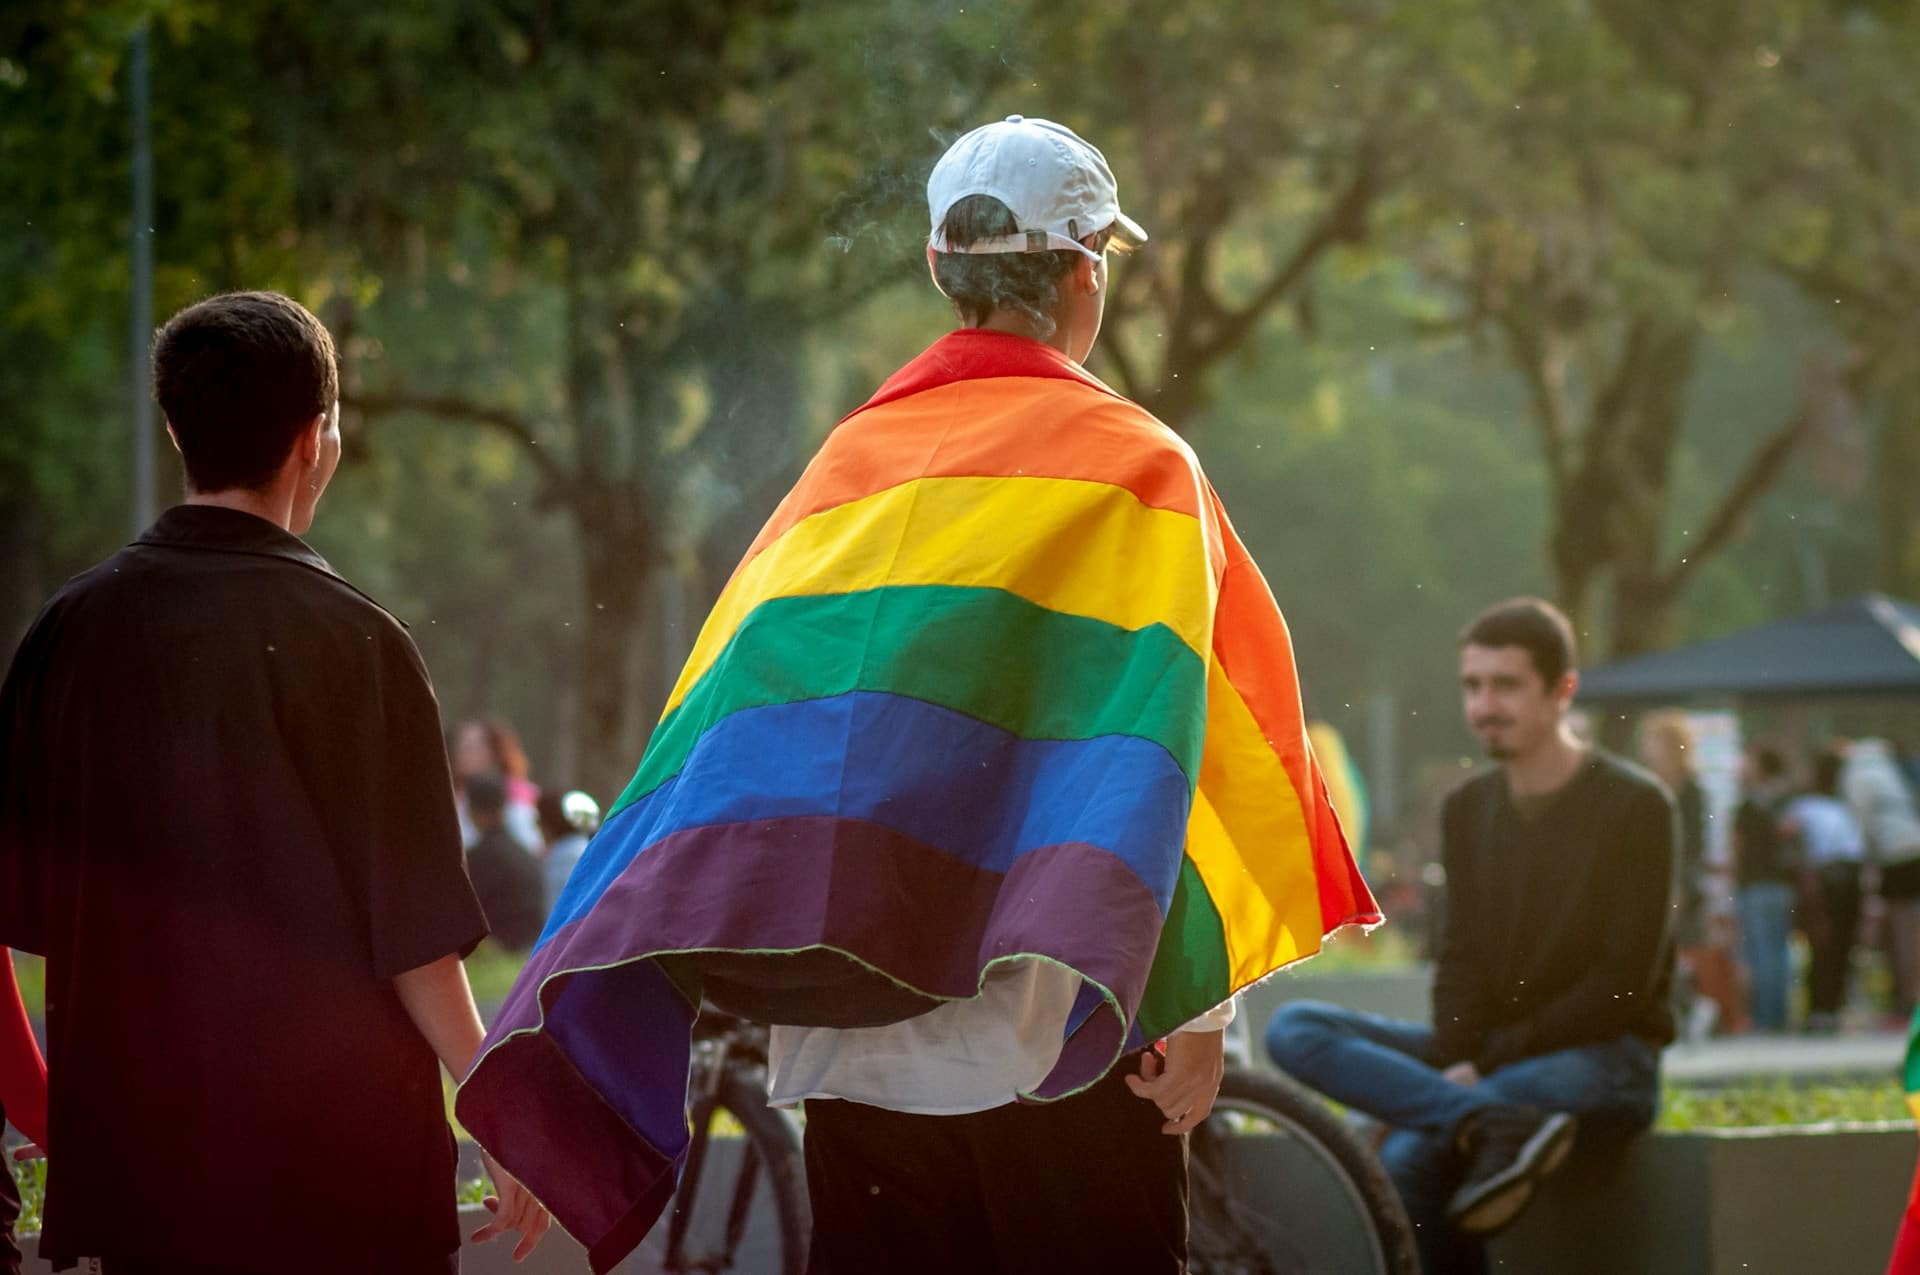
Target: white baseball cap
1056	184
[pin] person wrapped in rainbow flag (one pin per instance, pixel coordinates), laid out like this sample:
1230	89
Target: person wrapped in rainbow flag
987	772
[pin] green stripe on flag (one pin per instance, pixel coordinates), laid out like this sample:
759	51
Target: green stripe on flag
1036	673
1189	974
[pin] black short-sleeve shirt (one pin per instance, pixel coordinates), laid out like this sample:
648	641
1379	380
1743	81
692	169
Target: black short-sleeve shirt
227	821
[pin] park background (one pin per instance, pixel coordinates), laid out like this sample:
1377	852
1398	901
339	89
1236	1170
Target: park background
1606	300
1609	300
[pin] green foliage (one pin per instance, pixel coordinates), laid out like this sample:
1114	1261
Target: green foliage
604	272
1779	1103
491	971
30	973
30	1179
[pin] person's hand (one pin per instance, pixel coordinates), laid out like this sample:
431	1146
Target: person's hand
1186	1083
513	1209
1463	1073
28	1151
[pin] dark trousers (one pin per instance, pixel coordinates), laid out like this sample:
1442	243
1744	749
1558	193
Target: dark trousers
1831	927
1088	1183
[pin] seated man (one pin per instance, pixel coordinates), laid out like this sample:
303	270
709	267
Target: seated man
1550	992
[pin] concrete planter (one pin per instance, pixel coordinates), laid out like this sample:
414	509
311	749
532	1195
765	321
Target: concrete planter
1820	1199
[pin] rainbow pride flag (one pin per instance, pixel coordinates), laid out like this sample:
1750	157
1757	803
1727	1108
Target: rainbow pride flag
1906	1243
996	681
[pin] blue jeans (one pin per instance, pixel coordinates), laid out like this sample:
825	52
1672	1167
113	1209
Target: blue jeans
1379	1066
1766	924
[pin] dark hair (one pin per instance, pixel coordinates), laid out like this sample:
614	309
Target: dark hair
1826	772
1538	627
1027	283
239	376
550	809
1769	761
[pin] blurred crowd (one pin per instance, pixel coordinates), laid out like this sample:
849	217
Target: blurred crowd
522	842
1819	870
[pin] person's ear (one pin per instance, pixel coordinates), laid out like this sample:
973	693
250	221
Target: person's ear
1569	686
309	444
173	437
1086	275
931	273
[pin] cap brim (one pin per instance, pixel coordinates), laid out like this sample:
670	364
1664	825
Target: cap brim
1128	230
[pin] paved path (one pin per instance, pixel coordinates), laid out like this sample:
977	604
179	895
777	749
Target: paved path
1737	1058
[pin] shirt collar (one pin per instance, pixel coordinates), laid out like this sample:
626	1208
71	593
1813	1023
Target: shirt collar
222	530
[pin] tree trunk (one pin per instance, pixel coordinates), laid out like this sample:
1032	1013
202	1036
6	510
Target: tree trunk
617	562
1898	475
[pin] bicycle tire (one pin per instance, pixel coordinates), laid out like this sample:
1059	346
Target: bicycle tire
1297	1112
776	1158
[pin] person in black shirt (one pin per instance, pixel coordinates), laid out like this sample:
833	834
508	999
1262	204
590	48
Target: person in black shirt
1763	867
505	877
1552	983
227	821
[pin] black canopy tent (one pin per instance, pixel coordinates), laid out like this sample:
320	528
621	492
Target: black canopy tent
1865	646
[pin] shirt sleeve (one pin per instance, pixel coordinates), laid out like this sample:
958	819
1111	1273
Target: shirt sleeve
23	1076
1217	1019
421	905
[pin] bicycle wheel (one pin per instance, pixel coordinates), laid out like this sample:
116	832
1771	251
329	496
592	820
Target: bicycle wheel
1278	1184
742	1202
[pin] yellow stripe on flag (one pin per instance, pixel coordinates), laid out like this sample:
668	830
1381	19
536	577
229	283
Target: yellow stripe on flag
1249	842
981	532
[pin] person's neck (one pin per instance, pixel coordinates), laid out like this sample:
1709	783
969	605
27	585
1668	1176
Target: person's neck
1547	768
1014	324
276	507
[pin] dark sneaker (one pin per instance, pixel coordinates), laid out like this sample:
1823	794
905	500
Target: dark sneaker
1508	1150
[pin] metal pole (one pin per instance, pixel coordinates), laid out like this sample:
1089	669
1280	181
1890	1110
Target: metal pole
140	319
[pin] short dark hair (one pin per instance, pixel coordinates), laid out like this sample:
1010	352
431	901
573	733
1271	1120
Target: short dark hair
1827	765
486	797
1027	283
1769	761
1536	626
239	376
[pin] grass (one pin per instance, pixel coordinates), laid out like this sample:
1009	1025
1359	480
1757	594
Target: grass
1778	1103
31	973
31	1178
491	970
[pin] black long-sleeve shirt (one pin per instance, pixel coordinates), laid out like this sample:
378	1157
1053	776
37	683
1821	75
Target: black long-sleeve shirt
1558	923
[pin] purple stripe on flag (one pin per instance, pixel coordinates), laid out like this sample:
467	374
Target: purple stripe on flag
586	1109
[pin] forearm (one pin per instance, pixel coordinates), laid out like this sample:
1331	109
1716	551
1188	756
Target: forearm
437	998
23	1076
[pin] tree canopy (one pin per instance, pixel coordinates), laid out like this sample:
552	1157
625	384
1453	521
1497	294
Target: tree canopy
1601	298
